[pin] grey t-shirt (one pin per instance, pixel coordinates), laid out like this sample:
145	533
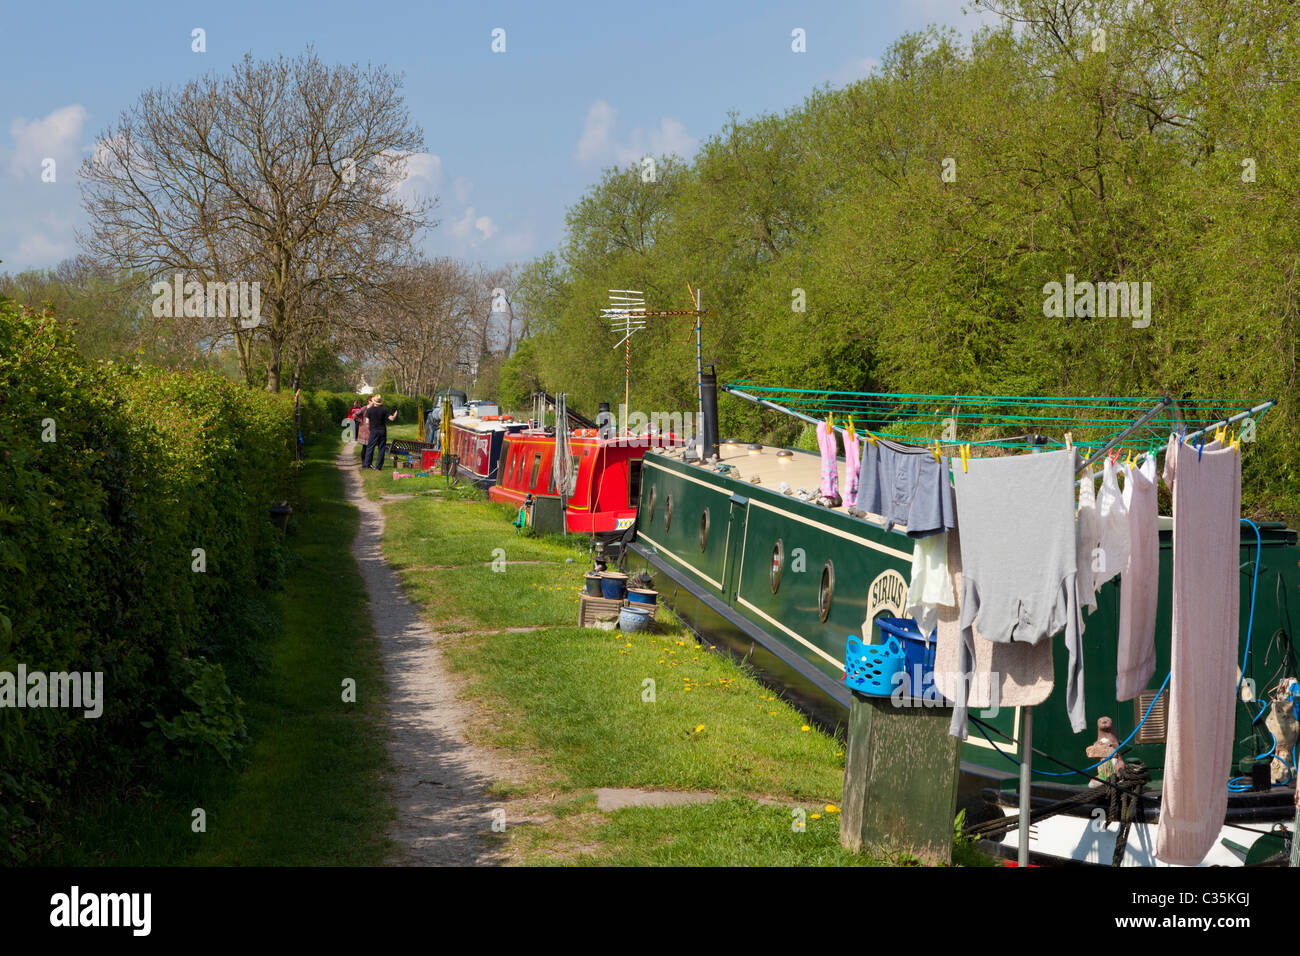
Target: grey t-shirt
1018	555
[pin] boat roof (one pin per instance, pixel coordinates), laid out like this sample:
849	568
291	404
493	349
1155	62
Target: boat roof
474	423
654	442
769	465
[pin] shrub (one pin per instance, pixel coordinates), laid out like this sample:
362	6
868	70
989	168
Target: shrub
134	541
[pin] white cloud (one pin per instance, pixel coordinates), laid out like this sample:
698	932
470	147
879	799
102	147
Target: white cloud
597	137
461	188
467	225
855	69
40	248
426	166
57	135
599	142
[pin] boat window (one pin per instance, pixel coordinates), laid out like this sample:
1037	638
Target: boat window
550	480
826	591
778	562
704	528
668	512
634	481
573	474
650	512
537	467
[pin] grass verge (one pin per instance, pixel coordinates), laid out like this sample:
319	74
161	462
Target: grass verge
310	788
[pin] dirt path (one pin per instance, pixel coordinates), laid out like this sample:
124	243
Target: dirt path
439	782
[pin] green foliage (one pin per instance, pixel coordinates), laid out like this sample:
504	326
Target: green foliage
110	478
836	255
217	719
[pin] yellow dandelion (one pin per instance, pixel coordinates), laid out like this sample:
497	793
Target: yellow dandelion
699	728
816	816
832	808
805	728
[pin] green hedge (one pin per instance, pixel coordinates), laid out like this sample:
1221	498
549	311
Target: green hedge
110	478
322	411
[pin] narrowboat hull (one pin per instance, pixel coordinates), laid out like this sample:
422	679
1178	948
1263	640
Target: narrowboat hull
748	567
601	499
477	446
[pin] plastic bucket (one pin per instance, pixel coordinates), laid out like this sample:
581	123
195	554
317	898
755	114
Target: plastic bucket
647	596
613	584
592	587
920	657
871	668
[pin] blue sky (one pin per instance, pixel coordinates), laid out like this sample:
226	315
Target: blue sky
513	138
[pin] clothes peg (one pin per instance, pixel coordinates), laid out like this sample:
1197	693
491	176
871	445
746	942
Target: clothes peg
851	428
870	437
830	421
965	457
1200	446
1069	441
935	451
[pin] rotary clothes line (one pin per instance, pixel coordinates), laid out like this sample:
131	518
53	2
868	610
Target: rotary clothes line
1102	536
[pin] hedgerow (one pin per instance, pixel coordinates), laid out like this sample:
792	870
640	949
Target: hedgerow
135	541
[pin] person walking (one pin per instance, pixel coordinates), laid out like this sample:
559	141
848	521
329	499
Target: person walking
377	417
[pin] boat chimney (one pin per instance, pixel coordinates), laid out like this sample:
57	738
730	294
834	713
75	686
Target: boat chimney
605	421
709	401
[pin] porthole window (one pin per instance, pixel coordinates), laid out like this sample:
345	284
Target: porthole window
778	562
826	591
650	511
704	529
668	513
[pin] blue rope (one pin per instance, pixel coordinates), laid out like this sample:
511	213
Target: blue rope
1250	626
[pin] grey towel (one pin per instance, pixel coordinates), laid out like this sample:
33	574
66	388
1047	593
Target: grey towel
907	488
1018	555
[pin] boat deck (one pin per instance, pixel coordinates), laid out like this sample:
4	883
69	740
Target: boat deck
766	465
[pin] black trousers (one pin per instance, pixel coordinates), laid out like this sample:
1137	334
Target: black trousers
378	440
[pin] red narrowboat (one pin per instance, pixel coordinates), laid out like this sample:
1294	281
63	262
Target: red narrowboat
606	483
477	443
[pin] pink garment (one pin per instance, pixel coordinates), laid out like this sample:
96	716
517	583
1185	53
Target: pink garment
830	467
1203	649
852	464
1139	590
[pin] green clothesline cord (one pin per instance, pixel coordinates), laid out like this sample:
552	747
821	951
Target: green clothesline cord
1002	411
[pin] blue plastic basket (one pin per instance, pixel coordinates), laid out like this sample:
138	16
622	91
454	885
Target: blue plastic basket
870	668
920	657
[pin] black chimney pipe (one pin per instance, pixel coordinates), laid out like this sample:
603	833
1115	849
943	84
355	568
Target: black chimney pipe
709	400
605	421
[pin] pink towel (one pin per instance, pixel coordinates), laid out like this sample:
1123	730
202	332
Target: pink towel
830	467
852	465
1139	590
1202	691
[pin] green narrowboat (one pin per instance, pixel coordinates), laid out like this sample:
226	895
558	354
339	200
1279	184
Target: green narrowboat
783	582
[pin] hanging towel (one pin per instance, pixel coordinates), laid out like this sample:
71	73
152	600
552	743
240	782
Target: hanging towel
1203	648
931	585
1112	519
909	488
1024	671
852	464
830	468
1089	539
1018	545
1139	591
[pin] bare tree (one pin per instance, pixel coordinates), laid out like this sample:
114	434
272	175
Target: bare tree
284	173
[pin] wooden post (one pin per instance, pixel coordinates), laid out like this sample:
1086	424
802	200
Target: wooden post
900	780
